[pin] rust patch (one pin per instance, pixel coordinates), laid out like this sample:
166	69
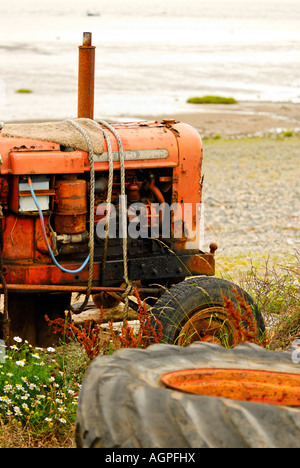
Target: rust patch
86	77
202	264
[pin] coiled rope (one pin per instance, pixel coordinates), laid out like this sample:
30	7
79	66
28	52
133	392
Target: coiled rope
129	286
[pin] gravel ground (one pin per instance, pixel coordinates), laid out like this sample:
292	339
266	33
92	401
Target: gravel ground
252	196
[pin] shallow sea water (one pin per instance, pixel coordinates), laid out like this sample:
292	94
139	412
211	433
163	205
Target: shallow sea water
151	56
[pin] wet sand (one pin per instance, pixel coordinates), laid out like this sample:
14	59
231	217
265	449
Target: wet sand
226	121
246	118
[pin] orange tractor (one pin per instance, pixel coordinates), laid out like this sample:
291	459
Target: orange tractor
98	209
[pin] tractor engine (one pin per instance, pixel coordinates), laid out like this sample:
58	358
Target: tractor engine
162	187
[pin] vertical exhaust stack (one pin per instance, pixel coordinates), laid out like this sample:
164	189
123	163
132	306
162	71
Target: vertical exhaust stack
86	77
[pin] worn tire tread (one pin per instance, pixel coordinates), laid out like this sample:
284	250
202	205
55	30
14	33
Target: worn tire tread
122	403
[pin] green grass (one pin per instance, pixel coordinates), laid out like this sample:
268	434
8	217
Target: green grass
212	100
272	281
38	395
23	91
288	134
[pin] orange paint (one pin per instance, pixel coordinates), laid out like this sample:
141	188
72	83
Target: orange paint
71	206
147	145
260	386
44	162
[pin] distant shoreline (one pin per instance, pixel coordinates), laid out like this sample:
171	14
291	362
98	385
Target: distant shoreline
242	119
225	121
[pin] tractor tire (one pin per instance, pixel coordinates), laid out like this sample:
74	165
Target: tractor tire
123	403
194	310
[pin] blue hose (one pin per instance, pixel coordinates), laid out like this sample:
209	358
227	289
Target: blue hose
45	235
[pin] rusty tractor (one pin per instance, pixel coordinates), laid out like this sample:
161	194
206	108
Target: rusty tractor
98	208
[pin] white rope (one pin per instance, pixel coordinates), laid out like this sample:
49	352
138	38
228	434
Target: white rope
108	199
129	286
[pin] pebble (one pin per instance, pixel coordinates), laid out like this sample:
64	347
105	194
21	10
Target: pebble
252	195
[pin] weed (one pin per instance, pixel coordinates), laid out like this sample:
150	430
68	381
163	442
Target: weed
275	289
211	100
244	321
146	334
23	91
287	330
89	335
288	134
95	341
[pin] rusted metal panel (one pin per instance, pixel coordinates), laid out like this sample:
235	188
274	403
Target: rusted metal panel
24	271
38	274
23	243
187	179
150	137
59	288
201	264
71	206
275	388
9	144
44	162
18	238
153	140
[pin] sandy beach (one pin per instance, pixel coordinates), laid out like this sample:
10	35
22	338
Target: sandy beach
242	119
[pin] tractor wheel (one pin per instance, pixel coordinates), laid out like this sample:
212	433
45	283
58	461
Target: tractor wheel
27	312
194	310
124	402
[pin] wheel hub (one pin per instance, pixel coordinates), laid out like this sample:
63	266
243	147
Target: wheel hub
275	388
211	325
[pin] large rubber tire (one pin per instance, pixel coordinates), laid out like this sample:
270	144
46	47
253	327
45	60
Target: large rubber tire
123	404
194	310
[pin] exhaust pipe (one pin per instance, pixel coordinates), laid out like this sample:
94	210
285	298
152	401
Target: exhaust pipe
86	77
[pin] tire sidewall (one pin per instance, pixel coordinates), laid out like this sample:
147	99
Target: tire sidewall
177	305
122	402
